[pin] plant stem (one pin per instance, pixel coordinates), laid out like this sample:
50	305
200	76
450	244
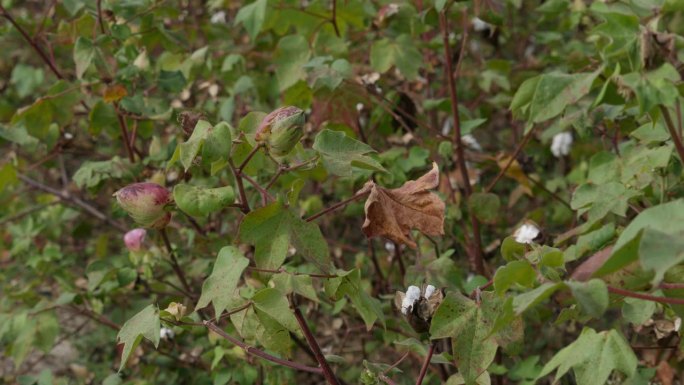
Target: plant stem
426	364
174	262
673	133
476	258
248	158
333	18
281	270
503	170
647	297
259	353
124	133
241	187
75	201
338	205
313	344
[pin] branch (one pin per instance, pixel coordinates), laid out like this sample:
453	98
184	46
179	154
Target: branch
333	18
282	270
337	205
174	262
647	297
124	133
476	258
311	340
74	201
673	133
241	187
426	363
519	148
259	353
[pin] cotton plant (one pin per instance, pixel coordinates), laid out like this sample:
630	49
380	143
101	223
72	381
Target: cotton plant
418	305
561	144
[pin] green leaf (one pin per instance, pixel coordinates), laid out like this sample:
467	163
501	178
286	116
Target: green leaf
525	301
91	174
470	324
171	81
144	324
289	283
556	91
593	356
84	52
667	218
637	311
349	284
592	296
292	54
485	206
190	148
271	229
199	201
273	303
659	251
597	201
102	116
512	250
401	53
654	88
219	287
516	272
340	153
252	17
621	32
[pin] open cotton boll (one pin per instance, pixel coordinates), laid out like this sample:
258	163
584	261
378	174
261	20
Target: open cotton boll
561	143
526	233
166	333
429	290
412	295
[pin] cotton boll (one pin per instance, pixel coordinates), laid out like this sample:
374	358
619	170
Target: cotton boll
561	143
429	290
526	233
218	18
412	295
479	25
470	141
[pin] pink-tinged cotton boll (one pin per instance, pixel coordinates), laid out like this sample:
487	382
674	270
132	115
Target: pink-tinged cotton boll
134	239
145	203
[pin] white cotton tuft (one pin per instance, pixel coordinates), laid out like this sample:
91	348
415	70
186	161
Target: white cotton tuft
166	333
526	233
429	290
479	25
218	18
412	295
561	143
470	141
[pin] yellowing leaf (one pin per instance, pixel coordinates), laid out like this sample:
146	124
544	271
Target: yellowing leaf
114	93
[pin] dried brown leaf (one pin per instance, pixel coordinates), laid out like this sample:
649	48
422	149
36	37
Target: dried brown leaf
394	213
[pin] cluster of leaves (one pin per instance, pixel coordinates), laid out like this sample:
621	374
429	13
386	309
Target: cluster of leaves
525	158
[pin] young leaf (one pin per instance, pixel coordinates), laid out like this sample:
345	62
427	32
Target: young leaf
526	300
340	153
592	296
516	272
144	324
198	201
190	148
252	17
271	229
293	54
273	302
84	52
394	213
219	287
401	53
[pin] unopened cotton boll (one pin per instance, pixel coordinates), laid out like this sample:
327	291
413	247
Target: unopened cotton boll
561	143
412	295
526	233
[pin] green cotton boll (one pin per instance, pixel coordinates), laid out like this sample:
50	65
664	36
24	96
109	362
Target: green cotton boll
281	130
145	203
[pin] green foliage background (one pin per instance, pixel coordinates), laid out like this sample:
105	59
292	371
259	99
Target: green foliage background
97	95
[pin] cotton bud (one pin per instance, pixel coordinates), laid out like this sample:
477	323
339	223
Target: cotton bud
134	239
145	203
281	130
177	310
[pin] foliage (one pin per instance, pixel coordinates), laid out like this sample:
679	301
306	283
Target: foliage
509	172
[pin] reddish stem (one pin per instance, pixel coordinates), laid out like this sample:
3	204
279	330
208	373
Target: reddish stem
647	297
313	344
426	364
337	205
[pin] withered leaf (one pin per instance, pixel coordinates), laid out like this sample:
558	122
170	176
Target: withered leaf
394	213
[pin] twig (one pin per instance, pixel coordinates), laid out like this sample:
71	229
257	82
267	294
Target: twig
241	187
394	365
673	133
671	286
259	353
426	363
480	288
124	133
313	344
282	270
75	201
264	194
386	379
503	170
32	43
333	18
100	20
174	262
647	297
551	193
248	158
337	205
283	169
96	317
